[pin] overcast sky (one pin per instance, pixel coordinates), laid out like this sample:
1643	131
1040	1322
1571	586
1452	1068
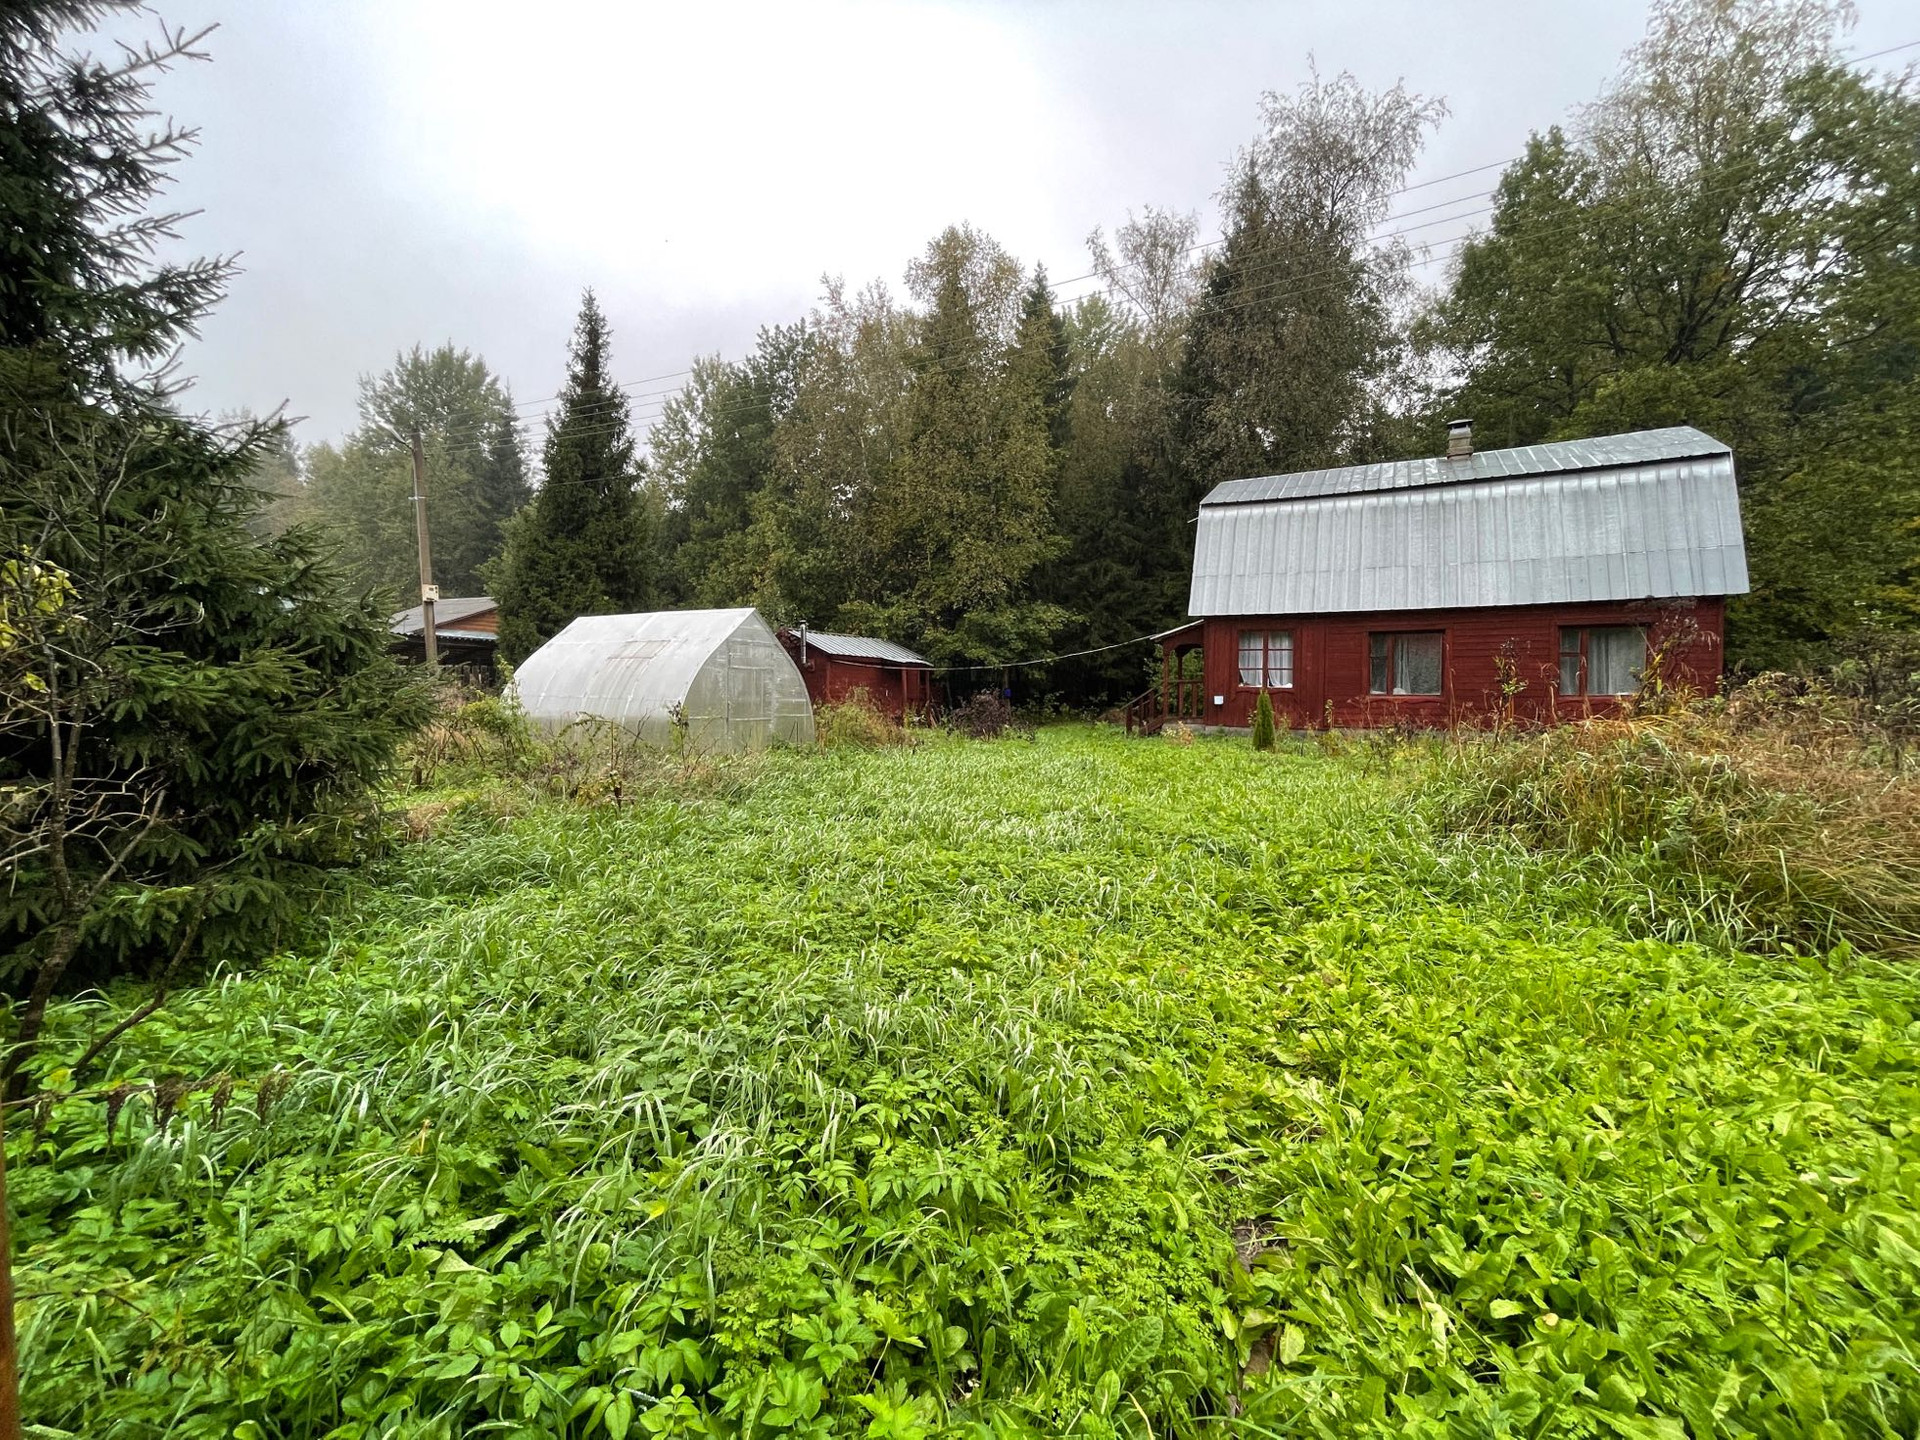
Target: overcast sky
394	172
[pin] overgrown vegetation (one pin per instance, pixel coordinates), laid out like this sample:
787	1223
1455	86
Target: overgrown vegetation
192	720
1784	815
1075	1087
856	722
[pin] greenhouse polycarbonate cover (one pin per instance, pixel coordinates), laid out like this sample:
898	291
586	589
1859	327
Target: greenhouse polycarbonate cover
722	674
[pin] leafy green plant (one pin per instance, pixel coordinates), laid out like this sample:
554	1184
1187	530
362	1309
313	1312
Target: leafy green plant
1071	1088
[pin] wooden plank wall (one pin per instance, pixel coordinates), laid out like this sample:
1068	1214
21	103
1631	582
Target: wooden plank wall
1330	662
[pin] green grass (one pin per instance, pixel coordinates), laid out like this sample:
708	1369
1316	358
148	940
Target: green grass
1072	1086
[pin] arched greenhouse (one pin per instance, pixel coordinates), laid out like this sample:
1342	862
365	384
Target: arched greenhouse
723	674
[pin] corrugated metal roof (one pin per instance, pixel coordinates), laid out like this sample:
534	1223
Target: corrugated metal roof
862	647
447	612
1639	447
1626	517
722	672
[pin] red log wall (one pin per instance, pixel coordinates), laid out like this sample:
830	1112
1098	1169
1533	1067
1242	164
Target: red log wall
891	689
1330	662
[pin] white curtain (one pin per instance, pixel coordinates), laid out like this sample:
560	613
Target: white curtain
1251	659
1416	664
1615	657
1280	659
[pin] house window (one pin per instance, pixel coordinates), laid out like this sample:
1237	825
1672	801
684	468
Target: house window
1602	659
1266	658
1406	663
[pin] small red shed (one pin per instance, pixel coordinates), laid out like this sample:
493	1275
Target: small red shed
1536	583
897	681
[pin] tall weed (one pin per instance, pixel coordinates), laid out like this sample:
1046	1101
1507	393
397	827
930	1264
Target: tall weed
1761	819
856	723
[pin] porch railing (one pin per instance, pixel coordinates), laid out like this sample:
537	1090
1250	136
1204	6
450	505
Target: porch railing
1183	699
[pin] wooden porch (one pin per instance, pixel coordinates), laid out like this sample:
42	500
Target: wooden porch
1178	696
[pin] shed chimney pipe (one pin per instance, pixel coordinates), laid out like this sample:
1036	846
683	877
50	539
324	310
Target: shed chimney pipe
1459	439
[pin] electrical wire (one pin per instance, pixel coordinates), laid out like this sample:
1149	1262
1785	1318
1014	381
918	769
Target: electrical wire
1043	659
659	401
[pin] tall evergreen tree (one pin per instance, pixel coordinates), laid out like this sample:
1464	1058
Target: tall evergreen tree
1043	336
582	547
1126	499
962	520
191	719
1295	340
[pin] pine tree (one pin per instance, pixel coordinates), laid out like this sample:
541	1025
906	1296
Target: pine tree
191	720
582	546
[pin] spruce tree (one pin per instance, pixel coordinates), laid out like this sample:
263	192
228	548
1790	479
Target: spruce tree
191	719
1043	329
1263	722
963	519
582	546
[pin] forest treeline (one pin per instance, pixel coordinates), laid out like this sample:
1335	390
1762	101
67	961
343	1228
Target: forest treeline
986	471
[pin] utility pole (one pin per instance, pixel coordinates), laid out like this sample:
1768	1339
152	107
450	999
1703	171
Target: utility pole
429	592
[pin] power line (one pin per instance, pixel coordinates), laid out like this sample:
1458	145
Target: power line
1043	659
1292	287
628	387
658	401
1456	175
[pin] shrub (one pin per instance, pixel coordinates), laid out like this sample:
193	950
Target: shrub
473	734
985	717
1760	819
855	723
1263	722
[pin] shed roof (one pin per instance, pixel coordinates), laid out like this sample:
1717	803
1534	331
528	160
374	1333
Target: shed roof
447	615
861	647
1649	515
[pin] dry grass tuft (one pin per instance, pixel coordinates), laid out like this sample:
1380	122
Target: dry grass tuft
856	723
1764	817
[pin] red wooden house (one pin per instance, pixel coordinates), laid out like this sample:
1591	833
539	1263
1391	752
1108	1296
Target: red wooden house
1537	582
896	680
